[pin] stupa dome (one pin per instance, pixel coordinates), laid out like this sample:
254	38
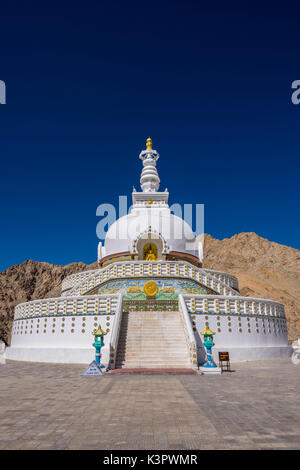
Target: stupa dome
150	223
174	232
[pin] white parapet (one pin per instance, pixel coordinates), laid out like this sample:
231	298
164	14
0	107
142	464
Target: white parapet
115	333
2	352
189	333
80	283
296	352
77	305
236	305
61	329
247	328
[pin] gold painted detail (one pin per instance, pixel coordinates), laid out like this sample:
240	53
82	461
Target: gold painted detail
99	331
151	288
168	289
135	288
149	143
207	331
150	252
151	256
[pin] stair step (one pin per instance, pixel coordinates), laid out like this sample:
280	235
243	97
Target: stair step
152	340
139	366
175	363
148	350
157	354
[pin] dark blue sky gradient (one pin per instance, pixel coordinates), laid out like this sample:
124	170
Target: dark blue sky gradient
88	82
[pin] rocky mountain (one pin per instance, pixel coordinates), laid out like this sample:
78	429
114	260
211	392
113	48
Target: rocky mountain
29	281
264	269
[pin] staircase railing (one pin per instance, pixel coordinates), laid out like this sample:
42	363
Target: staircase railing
189	333
115	333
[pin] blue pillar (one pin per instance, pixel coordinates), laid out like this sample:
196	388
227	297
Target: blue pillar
209	366
98	343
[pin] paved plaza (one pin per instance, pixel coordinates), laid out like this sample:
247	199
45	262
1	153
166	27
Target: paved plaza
51	406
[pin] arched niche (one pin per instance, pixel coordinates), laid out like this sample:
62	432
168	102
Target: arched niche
149	240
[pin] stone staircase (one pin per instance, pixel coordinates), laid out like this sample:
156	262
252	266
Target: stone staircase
152	340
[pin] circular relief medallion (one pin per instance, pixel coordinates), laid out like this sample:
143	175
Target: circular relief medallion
150	288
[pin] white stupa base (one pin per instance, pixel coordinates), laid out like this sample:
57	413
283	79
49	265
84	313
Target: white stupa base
252	353
2	352
210	370
56	355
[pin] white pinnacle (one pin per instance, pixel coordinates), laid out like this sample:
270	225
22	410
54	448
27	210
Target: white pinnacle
149	178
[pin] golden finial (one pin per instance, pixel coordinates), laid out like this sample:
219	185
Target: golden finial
207	331
98	331
149	143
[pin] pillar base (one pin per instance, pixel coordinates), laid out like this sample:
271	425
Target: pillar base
210	370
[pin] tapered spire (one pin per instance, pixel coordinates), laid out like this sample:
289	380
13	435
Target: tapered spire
149	178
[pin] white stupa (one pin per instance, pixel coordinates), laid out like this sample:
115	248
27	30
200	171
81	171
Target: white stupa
150	214
151	296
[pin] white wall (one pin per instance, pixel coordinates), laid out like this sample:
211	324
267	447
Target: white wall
266	333
48	337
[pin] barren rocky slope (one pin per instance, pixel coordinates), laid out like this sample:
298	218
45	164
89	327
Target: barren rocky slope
29	281
265	269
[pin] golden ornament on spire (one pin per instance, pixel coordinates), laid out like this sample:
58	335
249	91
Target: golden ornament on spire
149	144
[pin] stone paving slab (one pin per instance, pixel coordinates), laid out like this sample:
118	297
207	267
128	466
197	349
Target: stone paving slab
151	371
51	406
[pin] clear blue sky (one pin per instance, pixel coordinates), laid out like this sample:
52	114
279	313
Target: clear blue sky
87	82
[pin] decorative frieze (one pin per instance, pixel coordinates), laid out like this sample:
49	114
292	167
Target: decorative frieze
80	283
